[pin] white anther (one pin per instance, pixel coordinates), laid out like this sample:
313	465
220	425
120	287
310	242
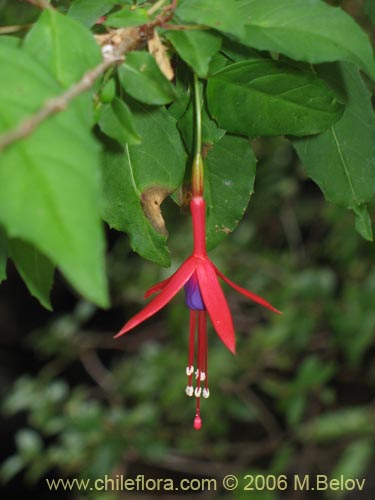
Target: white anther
189	370
107	50
196	373
206	393
198	392
189	390
203	376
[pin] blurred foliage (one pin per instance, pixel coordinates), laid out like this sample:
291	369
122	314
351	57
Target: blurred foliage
295	399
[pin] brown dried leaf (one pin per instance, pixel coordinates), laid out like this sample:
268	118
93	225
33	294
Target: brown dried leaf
159	51
151	200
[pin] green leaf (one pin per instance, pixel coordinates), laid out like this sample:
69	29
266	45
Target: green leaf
363	222
313	33
116	121
196	48
222	15
352	421
11	466
210	131
49	182
229	183
63	46
3	255
89	11
127	17
342	159
370	10
311	373
218	62
141	78
108	91
67	50
29	443
35	269
265	97
354	462
137	178
237	52
12	41
183	79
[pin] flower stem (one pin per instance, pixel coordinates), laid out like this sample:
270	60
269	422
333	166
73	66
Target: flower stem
197	179
198	116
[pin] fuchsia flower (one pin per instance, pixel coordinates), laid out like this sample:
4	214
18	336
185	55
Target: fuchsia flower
203	295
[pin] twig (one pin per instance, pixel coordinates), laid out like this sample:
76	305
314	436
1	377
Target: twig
113	50
59	103
97	371
155	7
266	417
41	4
4	30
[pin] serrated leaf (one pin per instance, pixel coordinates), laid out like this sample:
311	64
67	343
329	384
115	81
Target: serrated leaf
67	50
127	17
3	255
89	11
134	174
116	121
63	46
222	15
35	269
266	97
49	181
142	79
196	48
229	183
342	159
313	33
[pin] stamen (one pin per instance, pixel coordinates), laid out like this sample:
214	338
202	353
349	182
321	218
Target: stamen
189	370
190	367
203	329
197	322
189	390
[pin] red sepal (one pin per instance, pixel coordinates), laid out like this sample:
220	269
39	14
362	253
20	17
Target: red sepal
215	303
157	287
177	281
246	293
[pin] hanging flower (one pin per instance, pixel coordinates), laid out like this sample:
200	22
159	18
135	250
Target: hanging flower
203	295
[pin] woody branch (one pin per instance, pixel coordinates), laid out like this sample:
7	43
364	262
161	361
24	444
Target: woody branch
114	47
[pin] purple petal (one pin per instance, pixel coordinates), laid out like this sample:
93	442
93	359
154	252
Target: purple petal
193	297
